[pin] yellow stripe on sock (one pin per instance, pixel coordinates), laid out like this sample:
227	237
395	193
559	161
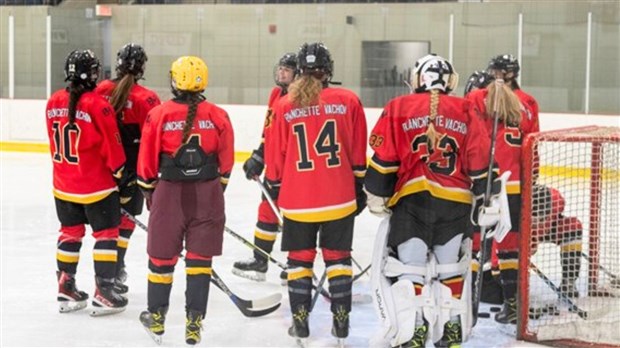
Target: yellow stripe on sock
160	278
198	270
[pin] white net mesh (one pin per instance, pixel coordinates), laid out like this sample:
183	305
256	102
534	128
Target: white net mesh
575	237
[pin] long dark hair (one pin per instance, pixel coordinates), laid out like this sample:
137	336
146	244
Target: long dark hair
75	92
120	94
194	99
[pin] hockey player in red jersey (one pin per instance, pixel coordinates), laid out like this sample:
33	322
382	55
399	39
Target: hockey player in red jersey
316	156
549	225
517	118
267	226
185	159
131	103
88	164
431	158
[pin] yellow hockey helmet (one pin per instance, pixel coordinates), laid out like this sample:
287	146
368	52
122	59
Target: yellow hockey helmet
190	74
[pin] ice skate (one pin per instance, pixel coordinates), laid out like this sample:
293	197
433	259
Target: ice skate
508	314
340	326
119	287
284	278
193	327
300	329
153	323
106	301
419	338
70	299
452	337
253	269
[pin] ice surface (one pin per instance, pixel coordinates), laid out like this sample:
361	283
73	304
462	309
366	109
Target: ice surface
29	230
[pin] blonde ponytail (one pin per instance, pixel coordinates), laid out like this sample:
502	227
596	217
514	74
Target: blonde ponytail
431	132
508	104
305	91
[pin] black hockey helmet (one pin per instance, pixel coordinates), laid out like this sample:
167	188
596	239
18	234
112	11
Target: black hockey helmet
82	67
478	79
130	59
505	63
288	60
315	59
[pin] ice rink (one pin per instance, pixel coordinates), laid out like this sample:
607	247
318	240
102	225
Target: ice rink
29	230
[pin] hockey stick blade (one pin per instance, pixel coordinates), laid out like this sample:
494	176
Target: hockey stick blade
249	308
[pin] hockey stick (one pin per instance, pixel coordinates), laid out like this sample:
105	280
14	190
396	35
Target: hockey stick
499	83
601	267
249	308
255	247
572	307
319	290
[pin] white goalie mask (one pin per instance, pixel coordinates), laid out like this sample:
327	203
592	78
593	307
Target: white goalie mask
433	72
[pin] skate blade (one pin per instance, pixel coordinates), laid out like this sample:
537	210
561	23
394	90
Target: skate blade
71	306
341	343
302	342
103	311
251	275
157	338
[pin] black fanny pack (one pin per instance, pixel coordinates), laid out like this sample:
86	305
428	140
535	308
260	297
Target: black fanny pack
190	163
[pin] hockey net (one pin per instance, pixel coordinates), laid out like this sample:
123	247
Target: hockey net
569	265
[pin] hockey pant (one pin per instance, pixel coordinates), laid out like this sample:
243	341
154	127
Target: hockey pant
417	292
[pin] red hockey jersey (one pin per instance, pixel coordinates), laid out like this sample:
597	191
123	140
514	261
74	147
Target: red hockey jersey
509	138
316	152
88	155
276	94
403	164
139	102
163	132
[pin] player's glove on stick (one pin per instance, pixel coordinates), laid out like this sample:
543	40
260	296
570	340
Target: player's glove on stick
254	165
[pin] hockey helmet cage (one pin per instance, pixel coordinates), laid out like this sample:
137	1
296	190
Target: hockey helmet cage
477	80
131	59
433	72
189	74
82	67
505	63
314	58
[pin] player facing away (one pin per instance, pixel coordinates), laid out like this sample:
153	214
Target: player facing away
267	227
88	162
431	158
317	150
517	119
131	103
185	159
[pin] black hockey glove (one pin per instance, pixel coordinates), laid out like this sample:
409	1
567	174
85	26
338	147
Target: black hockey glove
148	197
127	186
273	188
360	196
254	165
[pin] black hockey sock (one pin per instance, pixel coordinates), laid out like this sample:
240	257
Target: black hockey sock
571	265
508	264
159	286
264	238
121	248
198	275
104	256
67	256
299	284
339	276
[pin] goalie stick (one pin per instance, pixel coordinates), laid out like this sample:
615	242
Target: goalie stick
249	308
487	198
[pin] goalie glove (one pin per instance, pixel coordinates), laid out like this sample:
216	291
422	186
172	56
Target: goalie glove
377	205
496	216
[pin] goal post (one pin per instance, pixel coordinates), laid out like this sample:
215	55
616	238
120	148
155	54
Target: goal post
569	263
